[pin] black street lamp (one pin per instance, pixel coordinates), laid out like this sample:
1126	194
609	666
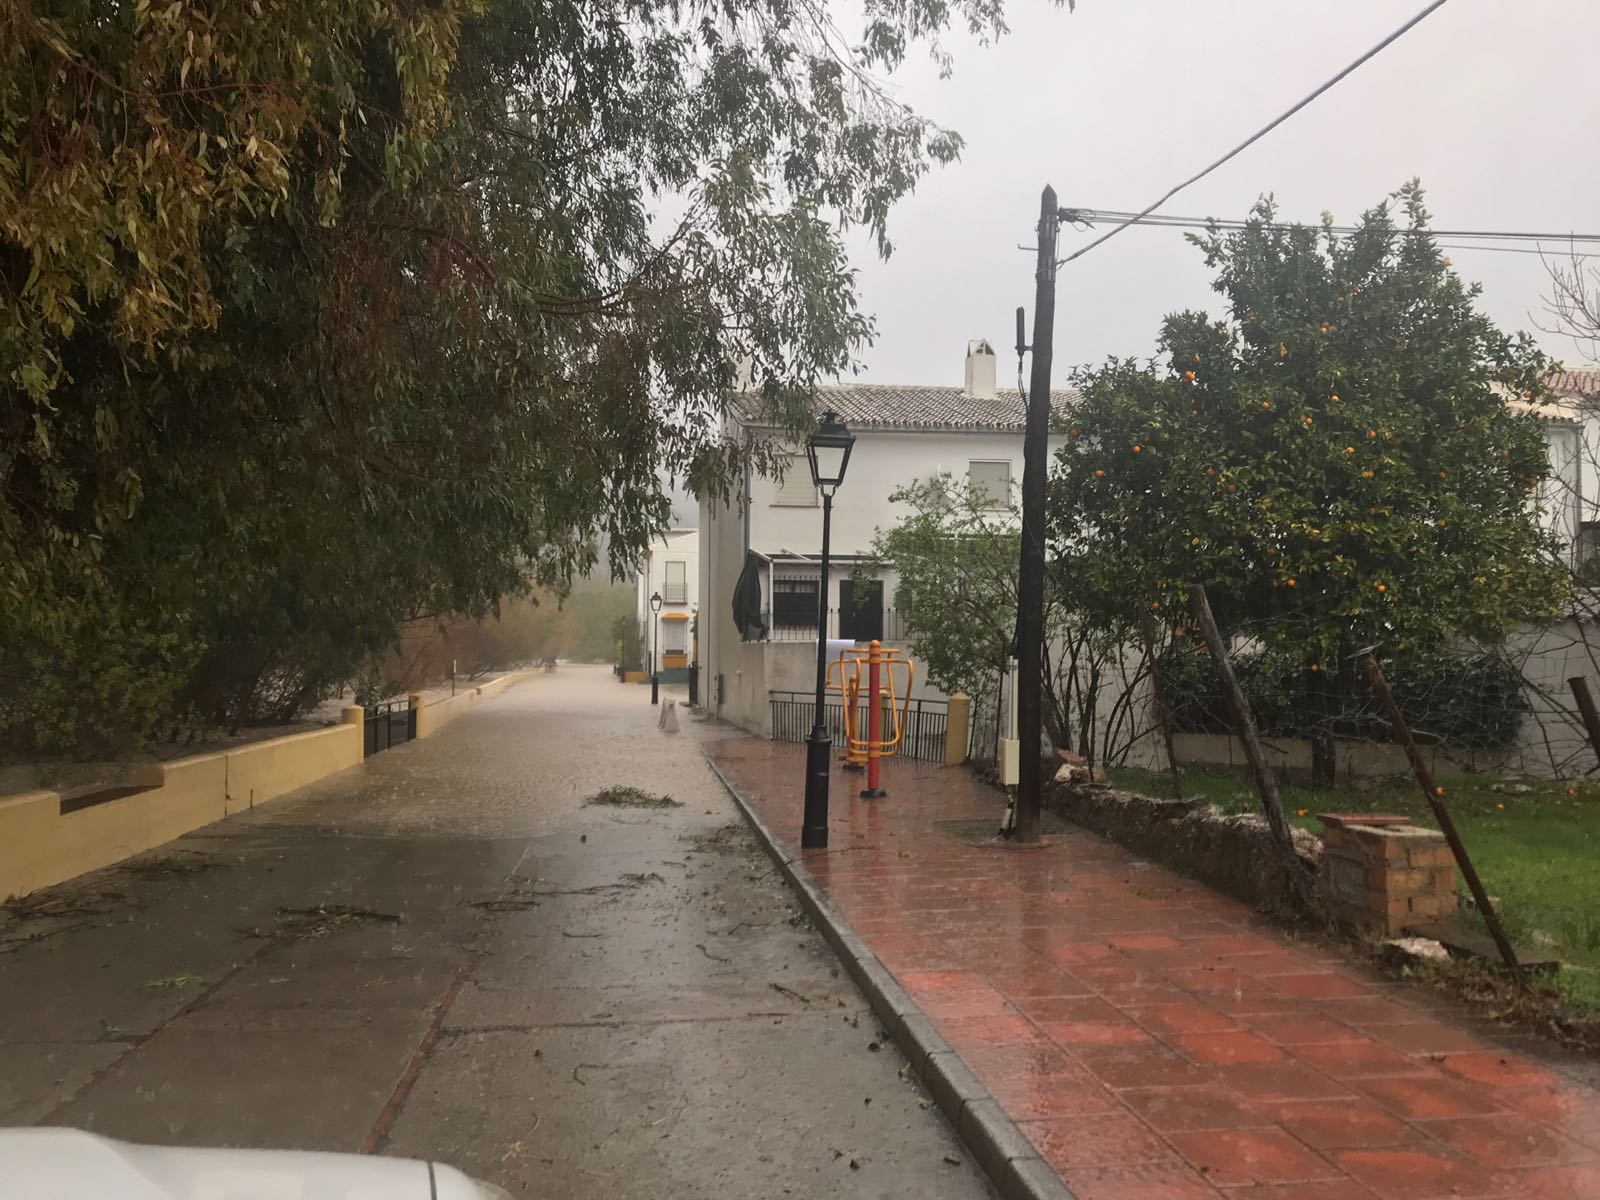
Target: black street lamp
828	449
655	643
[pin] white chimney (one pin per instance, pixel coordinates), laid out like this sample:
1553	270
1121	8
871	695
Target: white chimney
744	373
980	370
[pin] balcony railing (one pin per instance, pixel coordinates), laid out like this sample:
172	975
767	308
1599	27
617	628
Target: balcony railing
855	623
675	593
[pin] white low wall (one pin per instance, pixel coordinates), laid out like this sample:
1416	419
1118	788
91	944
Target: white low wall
1354	762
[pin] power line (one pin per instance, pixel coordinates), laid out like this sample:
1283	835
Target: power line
1260	133
1519	250
1166	221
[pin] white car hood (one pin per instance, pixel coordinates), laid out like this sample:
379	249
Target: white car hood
70	1164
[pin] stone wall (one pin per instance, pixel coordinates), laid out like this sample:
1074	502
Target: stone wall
1233	853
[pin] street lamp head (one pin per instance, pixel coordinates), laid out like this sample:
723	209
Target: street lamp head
828	448
655	602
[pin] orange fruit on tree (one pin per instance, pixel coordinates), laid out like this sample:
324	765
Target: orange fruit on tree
1383	588
1233	487
1333	399
1137	449
1290	581
1189	375
1326	328
1099	474
1210	472
1366	474
1349	449
1266	404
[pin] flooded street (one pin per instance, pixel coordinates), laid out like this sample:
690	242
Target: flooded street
451	952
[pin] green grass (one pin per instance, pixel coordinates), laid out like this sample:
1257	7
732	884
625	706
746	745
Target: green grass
1538	852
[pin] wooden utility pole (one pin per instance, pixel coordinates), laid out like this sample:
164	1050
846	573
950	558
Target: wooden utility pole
1402	734
1244	724
1030	570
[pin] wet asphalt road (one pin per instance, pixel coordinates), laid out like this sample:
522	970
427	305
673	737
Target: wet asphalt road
446	953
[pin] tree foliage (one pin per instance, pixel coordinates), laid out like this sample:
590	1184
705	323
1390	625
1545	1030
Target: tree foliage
955	555
324	315
1335	458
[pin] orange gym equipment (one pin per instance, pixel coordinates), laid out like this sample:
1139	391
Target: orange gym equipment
845	676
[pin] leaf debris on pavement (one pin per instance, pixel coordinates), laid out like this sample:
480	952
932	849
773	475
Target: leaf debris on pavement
630	797
173	981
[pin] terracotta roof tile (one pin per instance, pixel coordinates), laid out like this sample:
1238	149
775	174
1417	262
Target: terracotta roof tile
911	406
1575	384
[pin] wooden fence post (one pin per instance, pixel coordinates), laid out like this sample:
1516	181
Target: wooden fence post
1245	724
1402	734
1591	718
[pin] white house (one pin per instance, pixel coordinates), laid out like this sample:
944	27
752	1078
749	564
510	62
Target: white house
671	567
1569	500
903	433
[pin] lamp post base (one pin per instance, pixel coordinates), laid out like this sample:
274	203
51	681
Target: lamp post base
873	793
814	827
655	689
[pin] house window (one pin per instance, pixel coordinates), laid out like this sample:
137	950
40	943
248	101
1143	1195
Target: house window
796	490
674	637
675	587
794	603
991	479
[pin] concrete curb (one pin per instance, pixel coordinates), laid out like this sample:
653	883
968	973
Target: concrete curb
993	1139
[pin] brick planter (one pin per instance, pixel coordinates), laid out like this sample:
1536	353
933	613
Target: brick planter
1383	873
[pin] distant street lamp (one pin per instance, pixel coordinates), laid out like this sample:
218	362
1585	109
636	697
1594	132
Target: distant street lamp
828	449
655	643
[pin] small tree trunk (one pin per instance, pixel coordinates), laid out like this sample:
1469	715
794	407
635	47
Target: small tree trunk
1158	697
1324	759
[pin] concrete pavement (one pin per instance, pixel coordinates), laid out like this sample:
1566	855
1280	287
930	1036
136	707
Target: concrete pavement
445	953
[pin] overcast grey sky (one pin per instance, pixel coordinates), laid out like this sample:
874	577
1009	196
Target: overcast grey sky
1495	104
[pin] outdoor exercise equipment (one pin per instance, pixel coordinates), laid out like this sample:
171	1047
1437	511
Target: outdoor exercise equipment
882	665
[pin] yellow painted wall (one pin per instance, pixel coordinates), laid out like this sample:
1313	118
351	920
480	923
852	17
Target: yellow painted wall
266	770
40	846
434	715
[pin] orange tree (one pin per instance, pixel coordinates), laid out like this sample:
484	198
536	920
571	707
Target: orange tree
1334	458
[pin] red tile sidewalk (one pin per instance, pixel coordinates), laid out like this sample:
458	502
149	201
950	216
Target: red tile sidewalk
1158	1041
